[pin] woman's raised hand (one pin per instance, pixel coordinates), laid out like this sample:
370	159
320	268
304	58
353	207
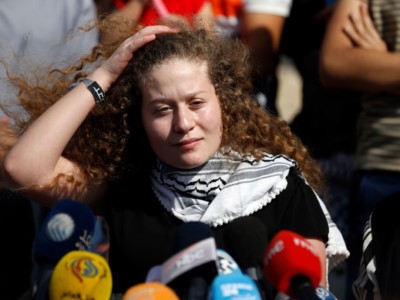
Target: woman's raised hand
117	62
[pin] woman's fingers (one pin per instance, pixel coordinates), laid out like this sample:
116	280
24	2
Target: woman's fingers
145	35
117	62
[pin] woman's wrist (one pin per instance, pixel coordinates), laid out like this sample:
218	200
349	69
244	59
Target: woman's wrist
102	78
93	87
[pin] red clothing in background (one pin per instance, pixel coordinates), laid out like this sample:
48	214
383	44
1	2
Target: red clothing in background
185	8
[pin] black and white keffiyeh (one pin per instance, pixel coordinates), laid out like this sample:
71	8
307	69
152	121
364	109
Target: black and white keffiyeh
218	191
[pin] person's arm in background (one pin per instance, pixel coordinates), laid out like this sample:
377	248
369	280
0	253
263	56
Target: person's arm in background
206	15
130	14
262	33
261	27
354	56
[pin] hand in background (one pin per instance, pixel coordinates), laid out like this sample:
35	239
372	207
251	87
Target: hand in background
362	32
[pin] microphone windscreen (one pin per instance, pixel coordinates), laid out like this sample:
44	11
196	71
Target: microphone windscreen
246	239
233	287
81	275
68	226
290	255
150	291
189	233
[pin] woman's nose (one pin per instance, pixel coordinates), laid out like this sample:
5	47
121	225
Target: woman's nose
183	120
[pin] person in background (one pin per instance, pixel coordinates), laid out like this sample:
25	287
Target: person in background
149	12
43	33
259	23
327	119
360	52
380	264
164	131
17	228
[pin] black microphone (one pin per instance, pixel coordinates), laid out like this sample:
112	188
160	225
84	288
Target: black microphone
246	239
196	256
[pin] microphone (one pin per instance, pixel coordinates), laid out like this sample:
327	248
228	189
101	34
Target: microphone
246	239
231	283
81	275
292	265
225	265
190	271
233	286
189	233
150	290
100	240
69	225
324	294
321	292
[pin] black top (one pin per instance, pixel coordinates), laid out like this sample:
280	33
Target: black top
142	230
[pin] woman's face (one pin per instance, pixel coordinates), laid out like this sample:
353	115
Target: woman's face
181	113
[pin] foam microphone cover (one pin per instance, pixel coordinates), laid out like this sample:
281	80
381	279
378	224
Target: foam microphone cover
68	226
289	256
246	239
81	275
150	291
190	233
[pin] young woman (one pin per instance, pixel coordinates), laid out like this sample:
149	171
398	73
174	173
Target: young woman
166	131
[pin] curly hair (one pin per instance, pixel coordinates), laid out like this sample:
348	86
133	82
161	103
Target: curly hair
112	141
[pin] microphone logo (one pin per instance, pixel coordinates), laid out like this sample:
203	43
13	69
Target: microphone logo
81	275
190	258
84	241
305	244
277	247
235	289
60	227
84	268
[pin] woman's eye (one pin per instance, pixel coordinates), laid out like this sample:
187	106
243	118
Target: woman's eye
196	102
162	109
